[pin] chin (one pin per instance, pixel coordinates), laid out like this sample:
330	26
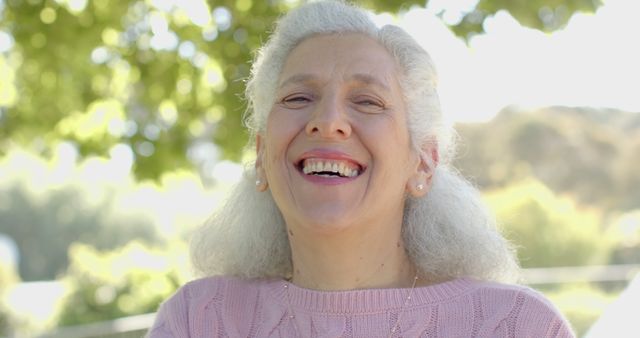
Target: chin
326	224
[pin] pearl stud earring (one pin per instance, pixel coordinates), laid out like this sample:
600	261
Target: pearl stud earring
420	187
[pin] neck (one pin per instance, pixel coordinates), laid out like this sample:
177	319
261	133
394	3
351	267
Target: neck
351	259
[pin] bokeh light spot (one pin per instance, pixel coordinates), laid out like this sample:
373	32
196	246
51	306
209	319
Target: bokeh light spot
184	86
187	49
151	132
145	148
240	35
110	36
77	6
168	113
196	128
222	17
244	5
100	55
210	33
48	15
215	114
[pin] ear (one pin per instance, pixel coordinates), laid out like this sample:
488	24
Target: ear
420	181
261	177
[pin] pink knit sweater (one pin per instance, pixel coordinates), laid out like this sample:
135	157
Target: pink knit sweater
230	307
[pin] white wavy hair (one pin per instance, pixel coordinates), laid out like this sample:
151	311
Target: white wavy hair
448	233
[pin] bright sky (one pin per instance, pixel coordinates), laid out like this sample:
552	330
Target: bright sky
594	61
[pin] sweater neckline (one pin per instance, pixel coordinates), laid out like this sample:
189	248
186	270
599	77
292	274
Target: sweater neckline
366	300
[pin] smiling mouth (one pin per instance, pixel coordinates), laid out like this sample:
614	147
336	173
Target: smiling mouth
329	168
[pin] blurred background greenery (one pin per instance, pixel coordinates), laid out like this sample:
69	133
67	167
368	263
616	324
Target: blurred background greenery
121	129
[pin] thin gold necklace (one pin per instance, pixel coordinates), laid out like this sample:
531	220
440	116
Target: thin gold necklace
292	316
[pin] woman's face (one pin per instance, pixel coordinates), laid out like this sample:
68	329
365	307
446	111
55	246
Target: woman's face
336	152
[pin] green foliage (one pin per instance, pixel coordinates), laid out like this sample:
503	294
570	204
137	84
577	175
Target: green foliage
586	153
43	229
625	229
47	205
546	15
134	279
548	230
8	278
96	75
44	209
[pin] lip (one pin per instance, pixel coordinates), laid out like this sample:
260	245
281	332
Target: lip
328	154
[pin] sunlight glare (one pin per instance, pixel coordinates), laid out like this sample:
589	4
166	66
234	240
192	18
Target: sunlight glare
64	163
591	62
122	158
163	38
197	10
6	42
38	313
451	11
9	253
77	5
227	172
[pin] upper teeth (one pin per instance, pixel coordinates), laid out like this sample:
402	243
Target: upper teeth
337	167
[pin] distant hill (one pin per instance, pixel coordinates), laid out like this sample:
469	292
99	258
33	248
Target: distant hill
591	154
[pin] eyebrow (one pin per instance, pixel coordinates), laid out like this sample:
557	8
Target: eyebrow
298	78
370	80
358	77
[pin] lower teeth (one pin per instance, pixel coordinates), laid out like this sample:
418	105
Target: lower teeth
327	175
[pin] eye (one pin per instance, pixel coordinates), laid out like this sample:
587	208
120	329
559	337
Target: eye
296	101
368	104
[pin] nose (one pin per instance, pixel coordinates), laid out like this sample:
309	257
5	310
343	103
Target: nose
329	120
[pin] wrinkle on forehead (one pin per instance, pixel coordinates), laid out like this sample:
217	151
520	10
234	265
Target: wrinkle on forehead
357	78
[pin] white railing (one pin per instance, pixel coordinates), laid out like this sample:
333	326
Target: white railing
573	274
112	328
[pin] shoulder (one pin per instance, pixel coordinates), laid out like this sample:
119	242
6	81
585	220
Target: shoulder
209	289
519	298
180	314
173	316
521	311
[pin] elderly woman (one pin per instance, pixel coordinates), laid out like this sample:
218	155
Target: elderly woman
356	226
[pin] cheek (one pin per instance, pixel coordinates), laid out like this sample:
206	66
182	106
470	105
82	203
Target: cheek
280	133
385	133
389	141
274	152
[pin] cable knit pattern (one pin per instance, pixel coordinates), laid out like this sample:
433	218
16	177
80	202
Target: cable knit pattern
231	307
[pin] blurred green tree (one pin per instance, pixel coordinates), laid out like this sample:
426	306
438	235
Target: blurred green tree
8	278
549	230
164	78
588	154
44	229
131	280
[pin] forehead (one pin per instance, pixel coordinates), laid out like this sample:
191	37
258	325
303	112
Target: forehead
351	56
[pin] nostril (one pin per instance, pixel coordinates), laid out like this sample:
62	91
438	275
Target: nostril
328	128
